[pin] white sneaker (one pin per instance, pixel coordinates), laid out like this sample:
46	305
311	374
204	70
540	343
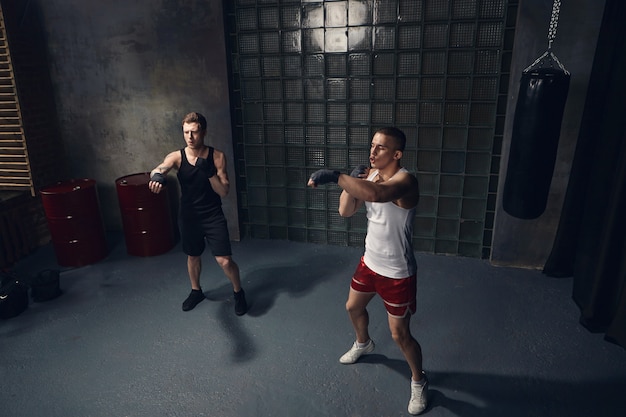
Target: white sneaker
355	352
419	397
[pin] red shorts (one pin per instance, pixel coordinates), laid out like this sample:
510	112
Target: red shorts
399	294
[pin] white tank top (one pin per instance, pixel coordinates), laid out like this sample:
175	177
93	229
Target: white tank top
388	246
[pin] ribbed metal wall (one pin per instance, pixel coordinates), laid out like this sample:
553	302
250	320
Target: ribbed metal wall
312	80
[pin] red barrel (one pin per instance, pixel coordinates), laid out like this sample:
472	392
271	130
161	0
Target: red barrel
146	217
75	222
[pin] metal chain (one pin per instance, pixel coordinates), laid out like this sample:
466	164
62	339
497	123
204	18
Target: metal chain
548	58
554	22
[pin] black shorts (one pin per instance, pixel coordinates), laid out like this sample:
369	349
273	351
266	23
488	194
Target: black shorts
197	231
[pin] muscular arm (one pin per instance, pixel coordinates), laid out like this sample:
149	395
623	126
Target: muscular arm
220	182
402	189
172	160
348	205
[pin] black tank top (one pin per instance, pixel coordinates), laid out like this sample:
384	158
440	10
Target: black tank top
197	195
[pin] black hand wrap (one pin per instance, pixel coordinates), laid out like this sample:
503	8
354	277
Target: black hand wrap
206	166
358	171
324	176
158	177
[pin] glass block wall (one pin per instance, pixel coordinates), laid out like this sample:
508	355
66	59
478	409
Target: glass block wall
312	80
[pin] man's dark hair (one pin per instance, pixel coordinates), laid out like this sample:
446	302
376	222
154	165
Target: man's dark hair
195	117
395	133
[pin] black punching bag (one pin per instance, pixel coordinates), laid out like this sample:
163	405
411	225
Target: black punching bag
534	141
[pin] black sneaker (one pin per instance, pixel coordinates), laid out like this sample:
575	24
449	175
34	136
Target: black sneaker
241	306
195	296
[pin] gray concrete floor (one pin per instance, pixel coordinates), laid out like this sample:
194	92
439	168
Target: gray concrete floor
496	341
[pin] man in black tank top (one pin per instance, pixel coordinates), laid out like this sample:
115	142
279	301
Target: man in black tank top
203	178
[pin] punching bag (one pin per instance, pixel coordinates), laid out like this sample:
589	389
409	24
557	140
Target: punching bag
534	141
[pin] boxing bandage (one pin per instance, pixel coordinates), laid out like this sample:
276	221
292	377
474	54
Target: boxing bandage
358	171
324	176
206	166
158	177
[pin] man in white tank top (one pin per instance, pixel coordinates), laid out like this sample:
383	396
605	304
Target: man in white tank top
388	268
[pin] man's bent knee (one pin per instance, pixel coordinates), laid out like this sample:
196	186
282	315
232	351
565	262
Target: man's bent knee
224	261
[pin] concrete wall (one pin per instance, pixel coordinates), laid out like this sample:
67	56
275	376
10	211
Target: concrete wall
527	243
126	72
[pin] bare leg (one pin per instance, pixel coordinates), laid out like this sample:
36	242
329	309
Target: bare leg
412	351
194	267
231	269
357	311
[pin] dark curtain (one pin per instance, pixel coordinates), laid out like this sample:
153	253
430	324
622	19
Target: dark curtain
590	243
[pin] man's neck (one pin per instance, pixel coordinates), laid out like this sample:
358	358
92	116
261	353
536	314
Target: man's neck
196	151
389	171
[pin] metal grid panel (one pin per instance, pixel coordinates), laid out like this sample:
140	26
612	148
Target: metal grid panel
385	11
272	89
406	113
291	41
458	88
294	135
292	65
247	19
316	112
384	64
337	157
432	88
270	66
336	113
269	18
382	113
336	65
273	112
294	112
462	35
436	9
359	38
314	89
464	9
295	176
359	140
409	37
257	196
296	198
296	217
250	67
383	88
269	42
290	17
435	35
384	37
315	135
275	155
318	77
315	157
409	63
410	11
357	156
337	89
337	136
434	62
359	64
249	43
274	134
293	89
359	88
297	234
408	88
276	177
